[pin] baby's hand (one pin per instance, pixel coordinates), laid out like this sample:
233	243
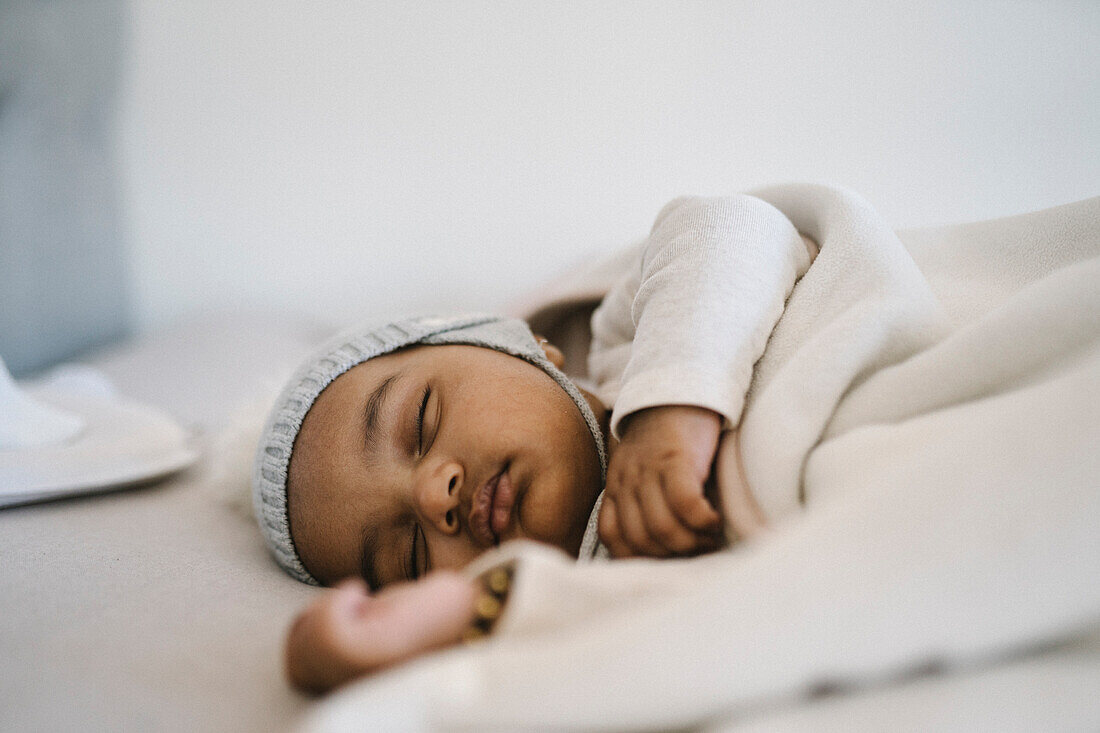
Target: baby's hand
654	502
347	632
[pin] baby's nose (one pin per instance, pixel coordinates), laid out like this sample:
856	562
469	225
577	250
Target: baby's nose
438	496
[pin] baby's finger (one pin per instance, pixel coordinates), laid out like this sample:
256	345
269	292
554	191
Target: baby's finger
609	529
634	529
685	497
665	528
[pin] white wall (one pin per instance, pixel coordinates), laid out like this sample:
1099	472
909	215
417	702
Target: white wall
360	158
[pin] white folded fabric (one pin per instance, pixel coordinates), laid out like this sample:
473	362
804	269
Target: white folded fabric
71	434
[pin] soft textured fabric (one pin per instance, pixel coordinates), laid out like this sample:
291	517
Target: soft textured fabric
26	422
73	433
691	316
269	476
935	407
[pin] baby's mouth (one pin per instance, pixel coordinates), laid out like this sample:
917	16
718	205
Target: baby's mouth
491	509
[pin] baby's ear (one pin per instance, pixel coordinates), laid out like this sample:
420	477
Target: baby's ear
553	353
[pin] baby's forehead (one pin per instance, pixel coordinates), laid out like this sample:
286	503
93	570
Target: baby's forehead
440	359
348	395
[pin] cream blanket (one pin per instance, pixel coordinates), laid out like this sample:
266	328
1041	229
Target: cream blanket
937	405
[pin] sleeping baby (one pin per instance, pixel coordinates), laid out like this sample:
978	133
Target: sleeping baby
407	450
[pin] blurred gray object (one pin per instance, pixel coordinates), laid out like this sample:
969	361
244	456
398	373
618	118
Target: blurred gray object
62	256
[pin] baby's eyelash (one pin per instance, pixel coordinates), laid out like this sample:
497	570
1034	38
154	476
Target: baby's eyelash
419	555
420	420
411	572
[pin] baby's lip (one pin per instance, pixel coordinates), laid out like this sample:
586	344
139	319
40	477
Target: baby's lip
483	509
500	518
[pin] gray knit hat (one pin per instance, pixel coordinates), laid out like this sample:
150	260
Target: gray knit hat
269	473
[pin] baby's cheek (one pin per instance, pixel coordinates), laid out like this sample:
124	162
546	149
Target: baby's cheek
297	628
449	552
558	514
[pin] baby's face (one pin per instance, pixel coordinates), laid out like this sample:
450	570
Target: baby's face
426	457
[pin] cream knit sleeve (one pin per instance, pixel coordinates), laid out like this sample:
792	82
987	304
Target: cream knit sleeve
687	324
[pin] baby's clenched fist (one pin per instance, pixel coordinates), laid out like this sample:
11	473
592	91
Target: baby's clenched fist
654	502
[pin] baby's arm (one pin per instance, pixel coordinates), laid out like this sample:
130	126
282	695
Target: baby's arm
684	332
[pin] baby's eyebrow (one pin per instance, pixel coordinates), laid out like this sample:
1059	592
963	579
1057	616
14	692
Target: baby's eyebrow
373	409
